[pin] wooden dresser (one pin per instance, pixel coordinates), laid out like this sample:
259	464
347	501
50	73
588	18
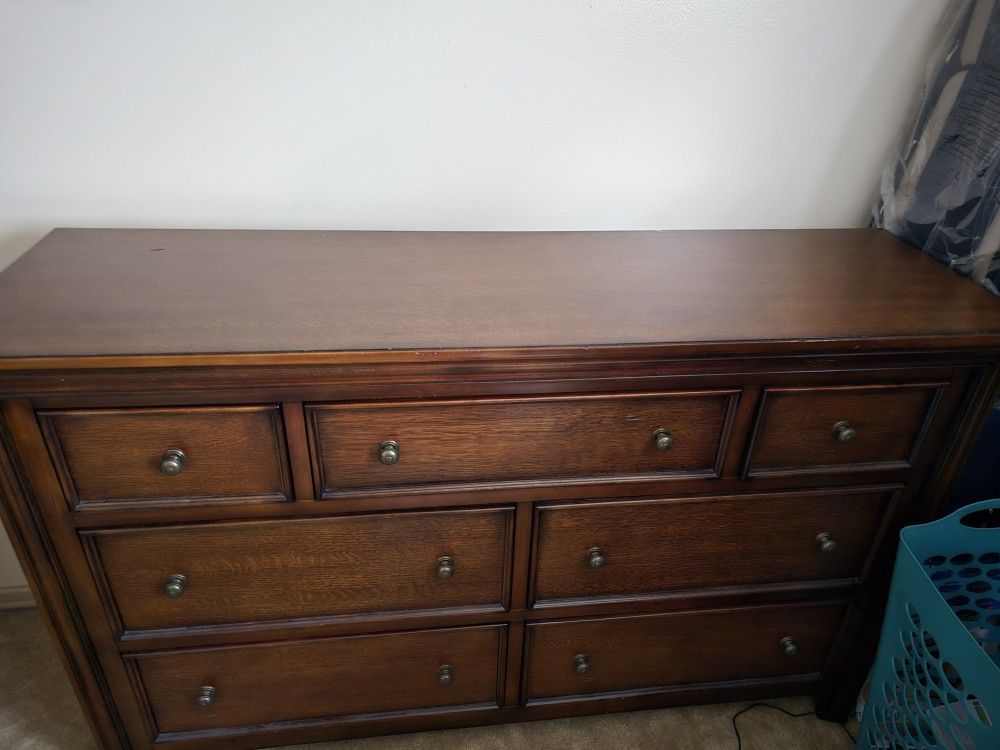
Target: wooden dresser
275	487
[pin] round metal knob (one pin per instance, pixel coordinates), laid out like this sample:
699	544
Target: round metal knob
445	567
172	462
844	433
825	542
789	646
388	452
595	557
581	662
663	440
206	696
174	585
446	674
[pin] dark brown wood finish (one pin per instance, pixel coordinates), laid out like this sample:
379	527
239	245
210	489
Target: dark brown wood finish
522	376
517	439
855	652
114	455
165	292
52	528
367	674
646	547
275	570
298	449
797	432
632	654
51	591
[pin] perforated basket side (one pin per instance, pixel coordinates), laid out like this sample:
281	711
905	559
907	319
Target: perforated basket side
935	683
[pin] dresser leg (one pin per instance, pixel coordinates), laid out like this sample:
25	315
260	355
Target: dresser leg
58	611
838	702
838	695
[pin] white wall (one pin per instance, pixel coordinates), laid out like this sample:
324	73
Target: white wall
460	114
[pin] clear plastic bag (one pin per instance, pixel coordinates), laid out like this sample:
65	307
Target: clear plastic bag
941	190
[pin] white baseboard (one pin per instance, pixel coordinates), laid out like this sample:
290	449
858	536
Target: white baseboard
16	597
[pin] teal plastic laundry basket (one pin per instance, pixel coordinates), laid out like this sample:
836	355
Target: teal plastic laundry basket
936	681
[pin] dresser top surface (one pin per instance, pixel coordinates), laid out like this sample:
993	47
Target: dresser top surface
137	293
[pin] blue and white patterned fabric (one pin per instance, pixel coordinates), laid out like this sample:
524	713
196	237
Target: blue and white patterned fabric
941	192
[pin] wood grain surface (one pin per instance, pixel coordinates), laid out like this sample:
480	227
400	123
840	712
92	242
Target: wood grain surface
321	678
522	375
275	570
636	653
92	292
795	431
113	455
516	439
662	545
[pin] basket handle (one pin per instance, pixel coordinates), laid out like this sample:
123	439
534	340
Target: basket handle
981	516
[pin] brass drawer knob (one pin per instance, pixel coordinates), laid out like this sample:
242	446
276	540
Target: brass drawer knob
789	646
206	696
388	452
581	663
595	558
825	542
172	462
446	675
174	585
663	440
445	567
844	433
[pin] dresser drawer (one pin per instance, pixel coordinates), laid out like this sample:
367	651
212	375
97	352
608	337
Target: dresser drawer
840	429
626	654
635	548
116	455
368	674
321	567
367	446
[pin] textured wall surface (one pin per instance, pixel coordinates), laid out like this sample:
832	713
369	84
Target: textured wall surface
424	114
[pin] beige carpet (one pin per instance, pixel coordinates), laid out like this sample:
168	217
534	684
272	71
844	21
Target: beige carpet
38	712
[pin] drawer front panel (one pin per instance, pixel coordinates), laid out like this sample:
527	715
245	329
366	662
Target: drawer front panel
115	455
260	684
635	548
626	654
496	440
276	570
840	429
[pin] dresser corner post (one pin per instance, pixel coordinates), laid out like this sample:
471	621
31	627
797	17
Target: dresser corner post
982	393
837	697
35	553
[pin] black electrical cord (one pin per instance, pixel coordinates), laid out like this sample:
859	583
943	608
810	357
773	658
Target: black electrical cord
738	714
848	732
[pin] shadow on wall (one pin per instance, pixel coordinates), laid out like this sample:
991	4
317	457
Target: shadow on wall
865	98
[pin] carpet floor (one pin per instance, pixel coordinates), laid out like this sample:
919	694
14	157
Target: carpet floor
39	712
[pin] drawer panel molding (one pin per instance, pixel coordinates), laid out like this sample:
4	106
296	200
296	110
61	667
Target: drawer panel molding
639	548
268	492
377	447
630	655
216	689
841	429
244	572
183	455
